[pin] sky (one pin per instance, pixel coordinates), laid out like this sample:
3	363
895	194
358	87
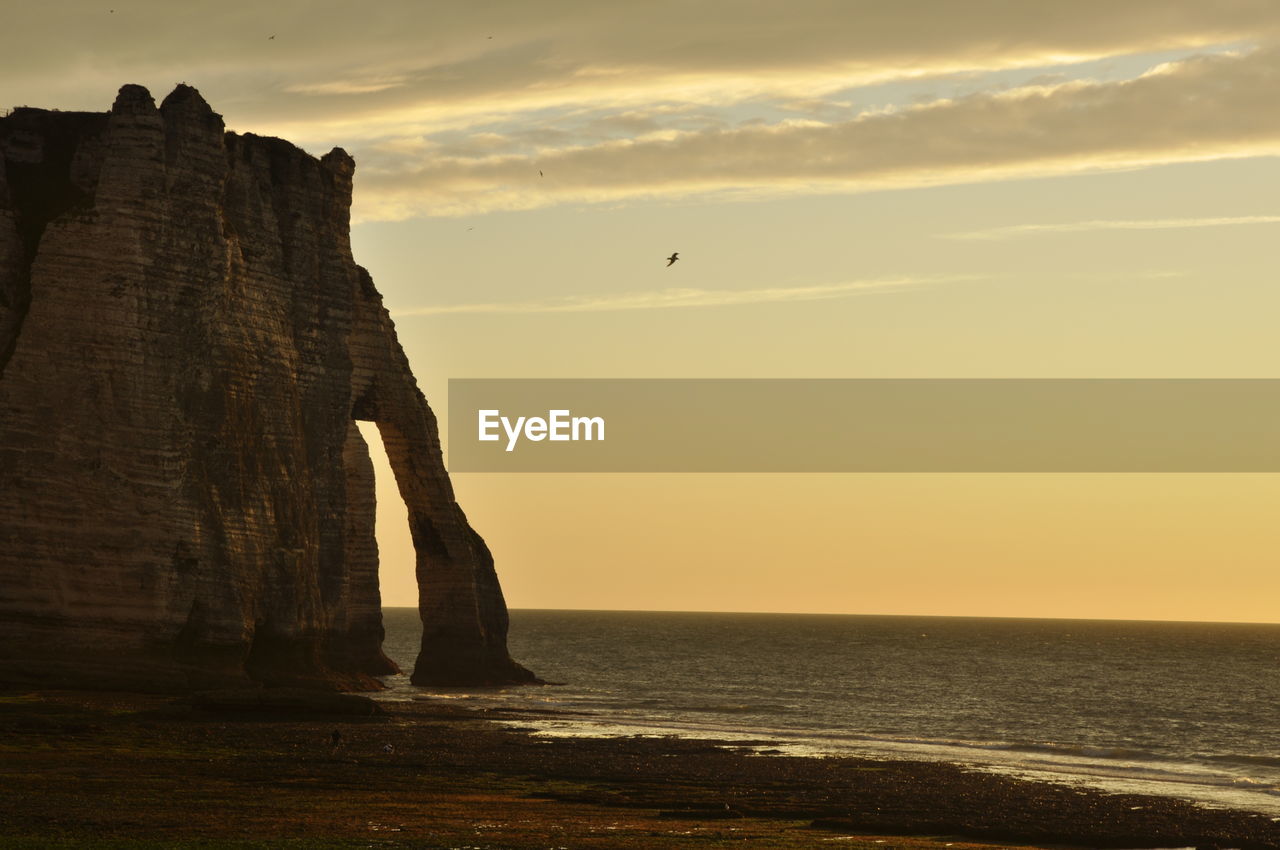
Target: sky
916	188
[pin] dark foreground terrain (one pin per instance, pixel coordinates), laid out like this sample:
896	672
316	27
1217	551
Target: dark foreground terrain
124	770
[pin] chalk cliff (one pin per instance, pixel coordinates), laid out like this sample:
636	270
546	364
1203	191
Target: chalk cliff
185	345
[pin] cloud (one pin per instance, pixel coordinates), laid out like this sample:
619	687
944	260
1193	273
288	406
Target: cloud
667	98
357	86
1204	107
1015	230
327	75
664	299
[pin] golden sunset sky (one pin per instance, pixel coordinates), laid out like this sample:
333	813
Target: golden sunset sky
914	188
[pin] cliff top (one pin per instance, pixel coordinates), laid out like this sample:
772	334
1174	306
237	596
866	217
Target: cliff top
185	101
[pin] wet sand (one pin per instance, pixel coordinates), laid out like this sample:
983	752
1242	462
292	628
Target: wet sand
127	770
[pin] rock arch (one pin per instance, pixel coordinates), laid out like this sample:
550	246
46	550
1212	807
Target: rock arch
186	342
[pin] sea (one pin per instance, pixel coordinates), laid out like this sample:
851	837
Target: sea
1189	710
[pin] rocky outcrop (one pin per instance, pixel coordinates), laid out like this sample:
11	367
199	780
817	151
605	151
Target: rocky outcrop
185	343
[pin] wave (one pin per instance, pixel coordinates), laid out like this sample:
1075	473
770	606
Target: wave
1118	753
736	708
1113	758
1240	758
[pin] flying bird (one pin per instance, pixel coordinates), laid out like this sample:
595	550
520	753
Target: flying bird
674	256
271	38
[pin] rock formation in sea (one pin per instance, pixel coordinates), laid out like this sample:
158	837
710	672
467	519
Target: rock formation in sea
185	346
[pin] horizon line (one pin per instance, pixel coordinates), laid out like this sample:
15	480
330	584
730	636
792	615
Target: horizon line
903	616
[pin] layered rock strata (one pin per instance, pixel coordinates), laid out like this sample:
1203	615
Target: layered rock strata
185	345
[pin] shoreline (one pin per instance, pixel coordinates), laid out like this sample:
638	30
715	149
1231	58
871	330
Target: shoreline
1202	784
1191	783
133	770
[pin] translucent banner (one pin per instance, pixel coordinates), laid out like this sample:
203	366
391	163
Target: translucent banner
864	425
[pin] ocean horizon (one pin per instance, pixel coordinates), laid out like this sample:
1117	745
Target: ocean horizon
1148	707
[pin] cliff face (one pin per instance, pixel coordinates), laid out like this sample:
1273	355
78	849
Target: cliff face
185	345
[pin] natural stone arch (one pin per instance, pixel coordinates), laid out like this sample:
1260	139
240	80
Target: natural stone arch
460	602
182	488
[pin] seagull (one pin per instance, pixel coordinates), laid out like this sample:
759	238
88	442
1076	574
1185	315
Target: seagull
674	256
